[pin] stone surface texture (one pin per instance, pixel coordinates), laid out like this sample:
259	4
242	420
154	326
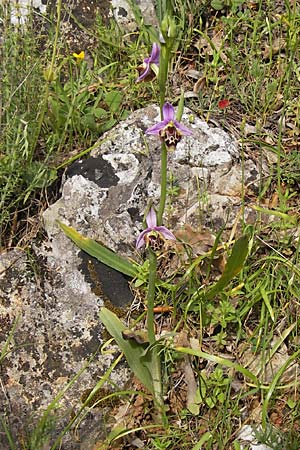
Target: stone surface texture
248	440
124	15
105	197
57	332
51	291
84	12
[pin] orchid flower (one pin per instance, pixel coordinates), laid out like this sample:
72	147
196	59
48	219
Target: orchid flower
146	72
153	231
169	129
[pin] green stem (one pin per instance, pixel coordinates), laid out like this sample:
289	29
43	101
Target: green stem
163	183
165	54
154	348
162	80
151	296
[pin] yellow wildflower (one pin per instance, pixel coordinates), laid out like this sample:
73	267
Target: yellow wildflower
79	56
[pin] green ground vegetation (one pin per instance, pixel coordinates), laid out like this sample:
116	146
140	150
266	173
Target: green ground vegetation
240	63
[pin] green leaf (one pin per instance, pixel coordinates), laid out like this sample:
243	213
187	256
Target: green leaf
88	122
272	387
108	125
291	403
219	360
133	351
233	267
272	212
113	99
266	299
204	438
194	406
100	113
217	4
100	252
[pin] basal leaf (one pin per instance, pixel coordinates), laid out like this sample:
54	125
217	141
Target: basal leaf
133	351
219	360
100	252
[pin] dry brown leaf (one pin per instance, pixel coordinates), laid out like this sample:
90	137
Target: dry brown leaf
191	385
200	241
200	85
192	73
278	45
274	201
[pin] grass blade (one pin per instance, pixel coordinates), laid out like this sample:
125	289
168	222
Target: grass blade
273	385
233	267
219	360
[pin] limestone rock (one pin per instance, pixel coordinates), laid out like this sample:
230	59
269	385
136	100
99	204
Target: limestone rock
105	196
56	291
84	12
247	437
57	335
124	15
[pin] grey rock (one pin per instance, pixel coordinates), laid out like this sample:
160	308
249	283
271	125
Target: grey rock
247	437
57	335
85	12
124	16
19	10
104	197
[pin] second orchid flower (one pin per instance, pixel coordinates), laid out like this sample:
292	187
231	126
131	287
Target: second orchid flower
169	129
153	235
146	72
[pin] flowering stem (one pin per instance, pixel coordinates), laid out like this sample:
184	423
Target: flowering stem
162	80
155	359
163	183
150	297
165	54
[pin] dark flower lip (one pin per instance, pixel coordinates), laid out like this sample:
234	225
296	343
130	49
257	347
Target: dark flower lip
145	73
171	136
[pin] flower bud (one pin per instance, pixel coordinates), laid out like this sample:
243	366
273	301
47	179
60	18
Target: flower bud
168	30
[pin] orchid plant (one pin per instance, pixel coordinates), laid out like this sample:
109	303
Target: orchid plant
145	358
147	365
170	132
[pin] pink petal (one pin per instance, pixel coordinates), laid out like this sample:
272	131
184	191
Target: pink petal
155	129
154	57
165	232
186	131
141	239
168	112
151	219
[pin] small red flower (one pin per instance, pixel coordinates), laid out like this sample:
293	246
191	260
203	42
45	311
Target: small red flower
222	104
